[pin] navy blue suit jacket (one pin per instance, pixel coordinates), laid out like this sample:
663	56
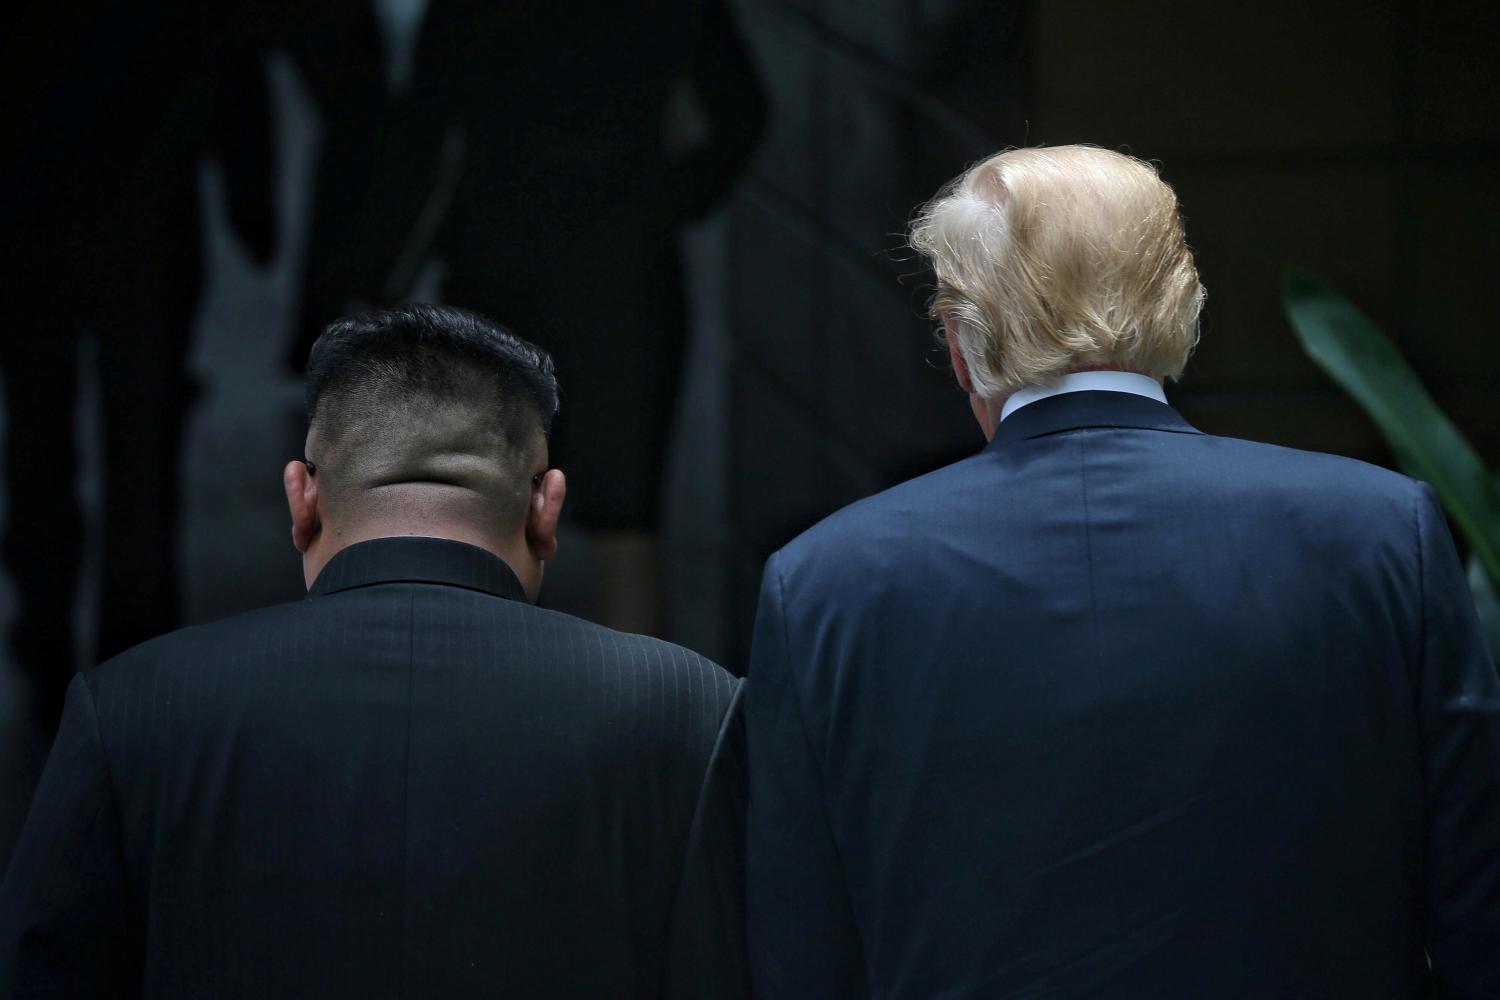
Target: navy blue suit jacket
1116	708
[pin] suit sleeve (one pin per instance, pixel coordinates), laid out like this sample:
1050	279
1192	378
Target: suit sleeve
706	934
65	924
802	935
1459	705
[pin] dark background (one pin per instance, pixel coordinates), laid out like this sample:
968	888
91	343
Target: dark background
1360	140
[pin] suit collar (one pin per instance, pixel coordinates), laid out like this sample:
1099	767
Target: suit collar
416	559
1079	410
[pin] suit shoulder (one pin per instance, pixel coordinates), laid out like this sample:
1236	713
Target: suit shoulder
643	693
867	535
1274	468
637	659
886	516
198	645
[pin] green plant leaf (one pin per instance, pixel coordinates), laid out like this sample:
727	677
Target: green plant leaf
1365	364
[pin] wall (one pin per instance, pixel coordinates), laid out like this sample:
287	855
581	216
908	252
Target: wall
1356	139
835	387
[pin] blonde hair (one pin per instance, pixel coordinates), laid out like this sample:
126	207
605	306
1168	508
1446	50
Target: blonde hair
1050	260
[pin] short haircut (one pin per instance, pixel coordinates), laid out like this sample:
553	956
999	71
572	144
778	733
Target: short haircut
1061	258
426	397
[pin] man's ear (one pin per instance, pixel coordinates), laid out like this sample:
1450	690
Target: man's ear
960	366
542	514
302	501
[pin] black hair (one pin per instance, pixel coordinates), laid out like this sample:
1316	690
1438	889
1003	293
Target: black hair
427	398
438	352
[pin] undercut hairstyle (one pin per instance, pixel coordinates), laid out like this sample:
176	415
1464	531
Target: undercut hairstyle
1061	258
430	405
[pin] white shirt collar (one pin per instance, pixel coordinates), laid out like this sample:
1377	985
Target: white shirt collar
1107	381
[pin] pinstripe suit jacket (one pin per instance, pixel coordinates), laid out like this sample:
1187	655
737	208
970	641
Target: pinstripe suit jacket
411	784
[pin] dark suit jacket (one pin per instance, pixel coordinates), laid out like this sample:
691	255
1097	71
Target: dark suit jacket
1115	708
411	784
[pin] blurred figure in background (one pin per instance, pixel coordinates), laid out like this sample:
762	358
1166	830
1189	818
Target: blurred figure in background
339	50
549	155
109	109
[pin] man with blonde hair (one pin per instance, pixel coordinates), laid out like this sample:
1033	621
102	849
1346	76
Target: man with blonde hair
1115	707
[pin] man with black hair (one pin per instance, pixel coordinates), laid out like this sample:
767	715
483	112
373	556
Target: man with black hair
412	783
